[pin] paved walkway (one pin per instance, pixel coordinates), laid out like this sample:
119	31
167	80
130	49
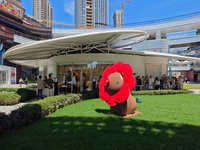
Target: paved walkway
14	85
195	91
8	109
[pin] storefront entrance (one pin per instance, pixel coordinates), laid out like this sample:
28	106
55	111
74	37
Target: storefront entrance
87	75
82	79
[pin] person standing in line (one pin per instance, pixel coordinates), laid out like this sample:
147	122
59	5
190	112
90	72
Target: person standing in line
74	84
138	83
45	87
164	82
161	83
50	85
40	86
180	82
144	82
185	79
173	82
157	83
168	82
176	85
147	83
26	81
151	83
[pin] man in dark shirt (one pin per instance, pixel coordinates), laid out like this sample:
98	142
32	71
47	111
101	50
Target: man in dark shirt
161	83
138	83
50	85
164	82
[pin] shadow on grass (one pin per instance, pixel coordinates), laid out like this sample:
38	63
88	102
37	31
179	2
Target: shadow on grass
103	111
103	133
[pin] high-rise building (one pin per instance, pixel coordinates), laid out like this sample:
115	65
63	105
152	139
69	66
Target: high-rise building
100	16
84	13
42	10
91	13
118	18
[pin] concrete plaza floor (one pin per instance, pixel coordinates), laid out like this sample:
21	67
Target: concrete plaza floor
8	109
15	85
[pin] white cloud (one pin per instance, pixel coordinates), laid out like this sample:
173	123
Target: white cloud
69	7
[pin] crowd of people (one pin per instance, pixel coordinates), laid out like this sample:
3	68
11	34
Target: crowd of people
46	85
150	83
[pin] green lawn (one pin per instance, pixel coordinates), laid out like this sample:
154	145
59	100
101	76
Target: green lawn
191	86
170	122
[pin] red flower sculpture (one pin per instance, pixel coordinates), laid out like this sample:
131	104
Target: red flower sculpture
121	95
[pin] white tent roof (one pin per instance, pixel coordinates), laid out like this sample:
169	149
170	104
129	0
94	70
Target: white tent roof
28	54
35	63
82	42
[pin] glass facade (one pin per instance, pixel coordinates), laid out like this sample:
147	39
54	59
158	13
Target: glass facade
7	75
3	77
87	75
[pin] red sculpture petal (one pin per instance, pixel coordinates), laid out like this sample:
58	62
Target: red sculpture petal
107	71
126	70
131	82
104	95
102	91
118	64
122	94
111	102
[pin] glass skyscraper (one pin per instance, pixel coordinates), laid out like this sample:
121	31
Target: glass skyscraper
100	15
91	13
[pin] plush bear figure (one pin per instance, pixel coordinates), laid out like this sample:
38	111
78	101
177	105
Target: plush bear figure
114	88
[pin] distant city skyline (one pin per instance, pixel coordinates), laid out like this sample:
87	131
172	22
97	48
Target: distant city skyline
135	11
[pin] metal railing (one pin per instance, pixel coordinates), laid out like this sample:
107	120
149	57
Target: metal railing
163	19
181	35
144	22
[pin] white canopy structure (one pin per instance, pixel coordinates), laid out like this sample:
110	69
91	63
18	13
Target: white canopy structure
81	43
109	41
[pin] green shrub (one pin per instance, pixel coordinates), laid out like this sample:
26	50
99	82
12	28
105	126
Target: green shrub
5	123
32	86
8	89
159	92
35	111
26	94
90	94
9	98
95	94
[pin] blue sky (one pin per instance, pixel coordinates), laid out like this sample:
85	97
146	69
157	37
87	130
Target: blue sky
135	11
